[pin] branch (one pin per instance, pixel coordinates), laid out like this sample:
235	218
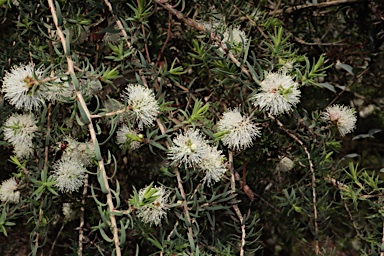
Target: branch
235	207
313	184
179	183
81	230
91	130
200	27
118	23
117	112
290	10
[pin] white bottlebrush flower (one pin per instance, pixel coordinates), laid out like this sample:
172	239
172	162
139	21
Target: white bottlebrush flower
238	130
18	87
343	117
213	165
69	213
236	38
83	152
69	174
128	139
278	93
188	149
142	103
8	191
153	212
19	130
23	150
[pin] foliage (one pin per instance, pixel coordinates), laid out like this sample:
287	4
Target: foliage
191	127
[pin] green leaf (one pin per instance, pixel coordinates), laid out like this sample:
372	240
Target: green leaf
345	67
84	115
106	238
158	145
58	14
123	235
97	150
155	242
100	179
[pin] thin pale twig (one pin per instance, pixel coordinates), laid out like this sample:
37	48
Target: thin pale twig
306	6
235	207
91	128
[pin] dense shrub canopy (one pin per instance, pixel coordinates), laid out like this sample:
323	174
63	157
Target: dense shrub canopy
191	127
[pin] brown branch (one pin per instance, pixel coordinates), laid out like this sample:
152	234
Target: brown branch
143	31
117	112
82	209
200	27
55	241
235	207
313	184
292	9
179	184
347	87
169	34
118	23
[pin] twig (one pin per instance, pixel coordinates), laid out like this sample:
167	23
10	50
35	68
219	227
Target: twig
382	240
198	26
91	129
170	234
235	207
57	237
351	218
40	218
313	184
118	22
305	6
46	153
143	31
111	113
185	206
82	209
347	87
169	34
179	183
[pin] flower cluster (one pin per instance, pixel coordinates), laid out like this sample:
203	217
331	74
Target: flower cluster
278	93
188	149
343	117
236	38
128	139
26	89
19	130
192	150
153	204
142	103
82	152
212	165
69	171
22	89
69	174
8	191
238	131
